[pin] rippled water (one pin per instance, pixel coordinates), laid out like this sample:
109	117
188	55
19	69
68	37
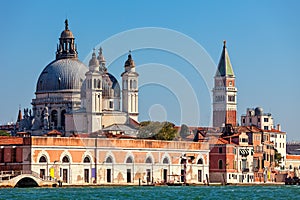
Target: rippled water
162	192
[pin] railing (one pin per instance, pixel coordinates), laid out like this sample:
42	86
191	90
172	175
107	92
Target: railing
7	175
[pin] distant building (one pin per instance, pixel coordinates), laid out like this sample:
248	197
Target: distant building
293	148
256	117
278	138
231	159
224	93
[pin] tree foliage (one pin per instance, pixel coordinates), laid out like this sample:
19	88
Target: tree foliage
4	133
184	131
157	130
277	157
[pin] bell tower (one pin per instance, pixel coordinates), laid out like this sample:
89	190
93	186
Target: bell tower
224	93
94	96
130	89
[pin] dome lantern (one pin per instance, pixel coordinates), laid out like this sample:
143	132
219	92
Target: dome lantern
94	64
66	47
129	64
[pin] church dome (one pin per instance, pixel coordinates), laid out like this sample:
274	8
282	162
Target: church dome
62	74
258	111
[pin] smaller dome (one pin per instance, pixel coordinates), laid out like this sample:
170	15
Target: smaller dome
66	34
93	64
129	62
258	111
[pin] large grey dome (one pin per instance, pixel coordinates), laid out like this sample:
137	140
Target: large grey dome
62	74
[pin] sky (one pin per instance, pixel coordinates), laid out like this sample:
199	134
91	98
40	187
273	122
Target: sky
176	46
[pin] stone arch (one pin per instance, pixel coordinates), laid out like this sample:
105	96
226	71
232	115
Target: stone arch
63	118
149	160
89	156
45	154
109	159
42	159
66	153
149	157
129	160
54	118
111	156
166	160
87	159
200	161
129	154
27	182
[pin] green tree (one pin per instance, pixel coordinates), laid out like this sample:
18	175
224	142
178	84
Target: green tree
277	157
4	133
157	130
184	131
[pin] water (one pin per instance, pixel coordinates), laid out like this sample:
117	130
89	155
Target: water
163	192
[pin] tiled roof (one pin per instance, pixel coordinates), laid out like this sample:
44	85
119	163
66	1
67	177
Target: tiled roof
274	131
54	132
222	141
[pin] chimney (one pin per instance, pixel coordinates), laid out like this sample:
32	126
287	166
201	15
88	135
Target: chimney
278	127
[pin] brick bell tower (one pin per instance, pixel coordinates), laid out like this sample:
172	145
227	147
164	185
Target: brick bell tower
224	93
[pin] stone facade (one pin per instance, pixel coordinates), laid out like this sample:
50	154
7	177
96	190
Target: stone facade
118	161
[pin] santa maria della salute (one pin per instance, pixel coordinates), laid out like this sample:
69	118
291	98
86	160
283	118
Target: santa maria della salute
83	129
73	98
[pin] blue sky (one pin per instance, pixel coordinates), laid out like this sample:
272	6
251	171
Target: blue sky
262	38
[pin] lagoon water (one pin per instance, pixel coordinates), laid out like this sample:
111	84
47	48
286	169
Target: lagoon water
162	192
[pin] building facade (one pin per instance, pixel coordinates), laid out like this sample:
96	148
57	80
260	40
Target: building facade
118	161
256	117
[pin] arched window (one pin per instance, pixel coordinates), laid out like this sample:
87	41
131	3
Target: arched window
54	117
166	160
129	160
200	161
86	160
220	164
99	84
109	160
291	166
63	118
149	160
42	159
65	159
130	84
134	84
